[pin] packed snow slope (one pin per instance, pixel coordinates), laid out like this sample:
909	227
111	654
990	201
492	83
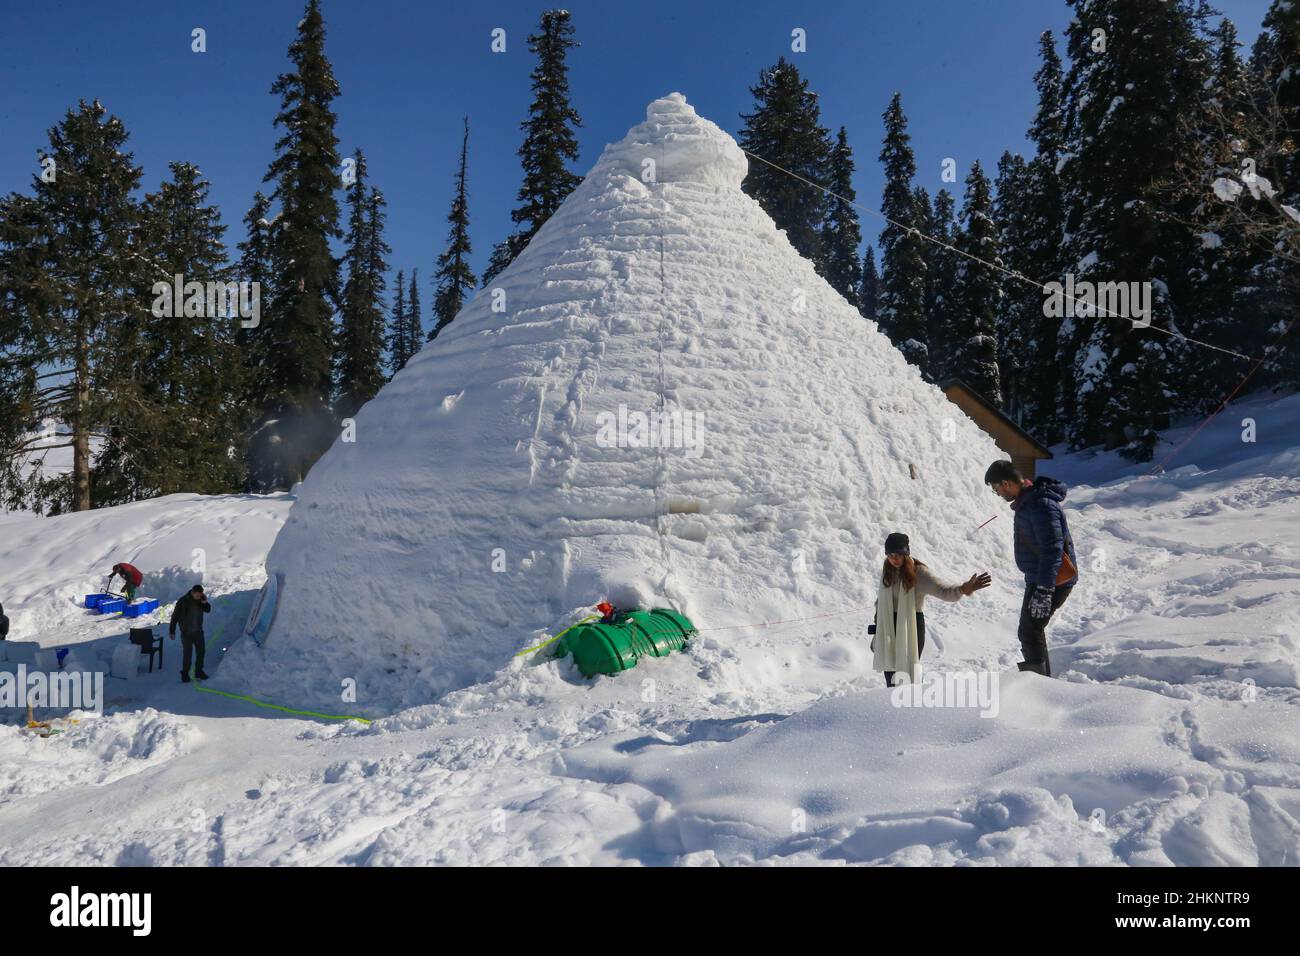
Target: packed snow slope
482	504
49	565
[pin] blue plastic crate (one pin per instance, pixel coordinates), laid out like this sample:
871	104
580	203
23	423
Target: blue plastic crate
140	608
94	600
111	606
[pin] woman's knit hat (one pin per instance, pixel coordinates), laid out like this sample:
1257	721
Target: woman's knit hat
898	543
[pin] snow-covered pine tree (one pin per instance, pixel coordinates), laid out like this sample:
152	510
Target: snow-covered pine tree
841	231
1278	65
901	308
924	352
1236	300
549	140
454	278
785	130
869	290
70	281
941	285
1042	404
1020	316
974	355
296	423
1275	66
179	424
1129	88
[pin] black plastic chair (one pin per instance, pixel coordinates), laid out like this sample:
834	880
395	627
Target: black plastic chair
148	644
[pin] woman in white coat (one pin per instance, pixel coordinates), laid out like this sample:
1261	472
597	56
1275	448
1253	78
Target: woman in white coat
900	622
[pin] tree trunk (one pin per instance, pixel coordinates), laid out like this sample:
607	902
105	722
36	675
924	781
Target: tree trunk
81	430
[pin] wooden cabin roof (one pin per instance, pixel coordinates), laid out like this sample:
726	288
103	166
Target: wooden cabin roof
956	383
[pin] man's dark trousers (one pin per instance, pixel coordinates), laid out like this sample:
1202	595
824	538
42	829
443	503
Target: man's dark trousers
1033	632
192	644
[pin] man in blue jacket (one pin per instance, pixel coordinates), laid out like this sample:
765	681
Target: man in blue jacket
1044	553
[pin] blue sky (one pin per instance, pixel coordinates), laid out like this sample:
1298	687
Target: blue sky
409	72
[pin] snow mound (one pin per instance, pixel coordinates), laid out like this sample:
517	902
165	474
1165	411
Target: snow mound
681	147
1060	773
511	476
93	752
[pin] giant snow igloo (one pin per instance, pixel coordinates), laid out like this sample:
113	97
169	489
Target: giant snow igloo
506	479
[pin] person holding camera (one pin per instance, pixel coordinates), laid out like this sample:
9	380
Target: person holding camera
188	616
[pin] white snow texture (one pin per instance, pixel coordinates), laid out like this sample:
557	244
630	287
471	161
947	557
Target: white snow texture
658	284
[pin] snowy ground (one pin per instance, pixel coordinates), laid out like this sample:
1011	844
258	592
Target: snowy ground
1170	739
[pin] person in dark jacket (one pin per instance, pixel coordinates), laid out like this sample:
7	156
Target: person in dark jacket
188	615
1044	553
4	624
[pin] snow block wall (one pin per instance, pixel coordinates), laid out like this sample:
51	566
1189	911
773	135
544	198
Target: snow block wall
490	494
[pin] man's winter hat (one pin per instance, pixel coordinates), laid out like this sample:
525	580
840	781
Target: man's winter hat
898	543
1001	471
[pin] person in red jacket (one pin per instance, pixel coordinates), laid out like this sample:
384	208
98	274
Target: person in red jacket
131	578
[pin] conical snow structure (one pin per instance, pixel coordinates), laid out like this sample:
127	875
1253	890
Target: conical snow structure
511	476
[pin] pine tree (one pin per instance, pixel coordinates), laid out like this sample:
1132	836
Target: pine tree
869	291
70	280
179	425
1127	133
841	231
1236	294
361	333
1020	309
1033	207
1279	69
295	424
549	140
414	315
785	130
901	308
926	359
255	266
974	357
941	287
377	267
400	346
1276	72
454	278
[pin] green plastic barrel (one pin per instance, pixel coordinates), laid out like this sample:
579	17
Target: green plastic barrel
664	631
610	648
